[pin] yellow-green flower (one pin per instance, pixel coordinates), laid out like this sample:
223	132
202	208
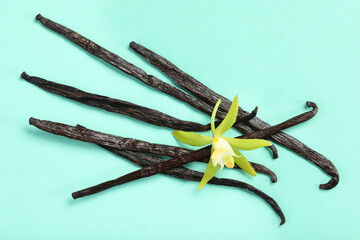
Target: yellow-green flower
224	150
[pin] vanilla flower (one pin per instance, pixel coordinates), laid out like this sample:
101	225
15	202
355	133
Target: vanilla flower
224	151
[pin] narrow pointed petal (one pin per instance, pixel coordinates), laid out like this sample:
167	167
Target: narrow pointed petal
229	120
192	138
213	115
209	172
243	163
247	144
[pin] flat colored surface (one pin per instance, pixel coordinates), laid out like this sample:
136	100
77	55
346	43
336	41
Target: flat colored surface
275	54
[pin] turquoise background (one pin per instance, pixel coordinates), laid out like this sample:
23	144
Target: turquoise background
275	54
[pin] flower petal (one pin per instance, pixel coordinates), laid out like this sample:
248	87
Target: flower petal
247	144
229	120
209	173
218	154
192	138
213	115
243	163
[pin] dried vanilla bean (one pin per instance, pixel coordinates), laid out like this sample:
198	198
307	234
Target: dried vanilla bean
187	174
138	73
144	160
87	135
120	63
122	107
203	92
130	144
91	136
198	155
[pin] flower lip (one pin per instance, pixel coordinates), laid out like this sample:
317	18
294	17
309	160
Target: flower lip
220	142
223	153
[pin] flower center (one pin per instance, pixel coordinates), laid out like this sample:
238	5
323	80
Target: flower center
223	153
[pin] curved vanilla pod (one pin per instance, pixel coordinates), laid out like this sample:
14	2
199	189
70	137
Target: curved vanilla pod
138	112
87	135
203	92
198	155
187	174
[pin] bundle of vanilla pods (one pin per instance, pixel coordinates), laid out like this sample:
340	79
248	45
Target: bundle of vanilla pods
154	158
